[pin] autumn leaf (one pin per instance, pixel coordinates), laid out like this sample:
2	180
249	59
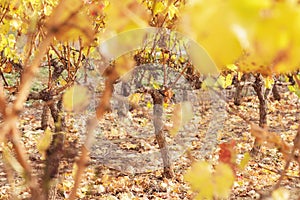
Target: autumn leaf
69	21
135	98
209	184
223	180
124	64
227	154
244	161
8	68
129	15
76	98
182	114
168	94
269	81
44	142
11	160
200	178
280	194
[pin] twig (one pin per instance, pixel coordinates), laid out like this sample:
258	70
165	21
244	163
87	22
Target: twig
5	12
3	102
277	171
289	159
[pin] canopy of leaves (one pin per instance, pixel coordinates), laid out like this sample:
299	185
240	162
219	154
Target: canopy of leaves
254	35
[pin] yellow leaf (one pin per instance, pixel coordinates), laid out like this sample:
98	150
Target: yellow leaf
200	179
269	81
228	80
258	42
215	15
172	11
135	98
70	20
11	160
165	105
281	194
76	98
221	81
11	41
124	64
155	85
232	67
44	142
244	161
223	180
62	81
149	104
182	114
158	7
129	15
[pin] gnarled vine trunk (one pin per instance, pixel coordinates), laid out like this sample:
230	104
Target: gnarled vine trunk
259	89
157	98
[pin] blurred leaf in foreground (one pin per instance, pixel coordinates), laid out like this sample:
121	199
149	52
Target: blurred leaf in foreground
182	114
209	184
44	142
70	20
76	98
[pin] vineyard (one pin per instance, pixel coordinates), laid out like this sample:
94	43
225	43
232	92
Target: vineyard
149	99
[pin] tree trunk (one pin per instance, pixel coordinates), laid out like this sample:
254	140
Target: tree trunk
239	88
159	133
275	92
259	89
45	121
55	152
124	107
